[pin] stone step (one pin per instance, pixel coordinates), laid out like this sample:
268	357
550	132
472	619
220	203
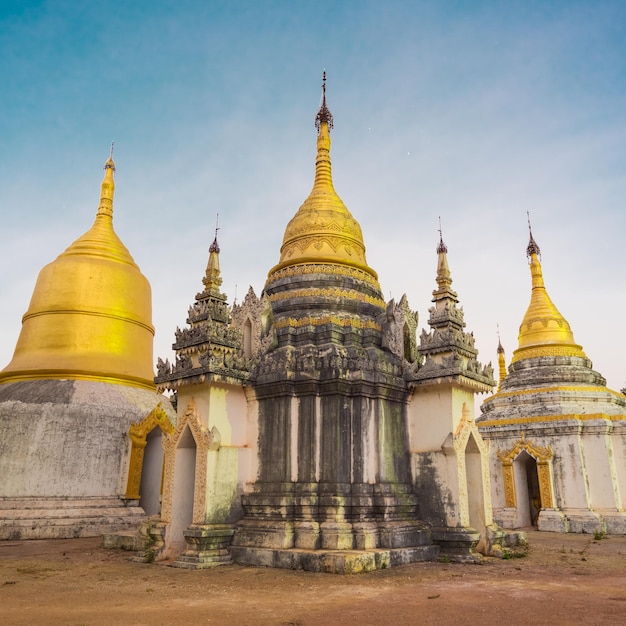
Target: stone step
333	561
131	540
65	518
61	502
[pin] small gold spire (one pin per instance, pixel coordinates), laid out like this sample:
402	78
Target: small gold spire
212	277
501	361
444	277
544	331
105	208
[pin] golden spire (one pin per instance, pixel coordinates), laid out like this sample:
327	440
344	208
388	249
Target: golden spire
544	331
323	230
444	278
501	361
90	313
212	278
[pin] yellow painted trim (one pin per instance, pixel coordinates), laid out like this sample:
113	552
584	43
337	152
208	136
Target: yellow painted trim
326	319
523	392
82	312
553	418
327	293
359	273
14	377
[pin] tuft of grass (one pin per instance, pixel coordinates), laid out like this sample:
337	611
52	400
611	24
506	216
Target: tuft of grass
519	553
599	535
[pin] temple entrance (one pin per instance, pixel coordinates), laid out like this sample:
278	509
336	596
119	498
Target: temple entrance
475	492
183	490
527	489
151	473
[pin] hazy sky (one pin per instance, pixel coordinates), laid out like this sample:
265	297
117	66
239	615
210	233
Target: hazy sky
473	111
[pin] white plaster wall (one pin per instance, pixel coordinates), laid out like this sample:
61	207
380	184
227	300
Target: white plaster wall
600	469
75	448
434	411
429	416
222	485
570	473
618	445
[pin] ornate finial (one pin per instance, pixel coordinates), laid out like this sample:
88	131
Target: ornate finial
215	246
323	115
442	246
110	165
500	348
532	247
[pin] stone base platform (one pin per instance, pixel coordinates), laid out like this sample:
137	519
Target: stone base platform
333	561
66	518
612	522
207	546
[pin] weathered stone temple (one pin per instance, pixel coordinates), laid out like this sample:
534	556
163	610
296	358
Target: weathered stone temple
313	431
79	414
557	433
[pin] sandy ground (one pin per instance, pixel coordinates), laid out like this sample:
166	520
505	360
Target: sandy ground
564	579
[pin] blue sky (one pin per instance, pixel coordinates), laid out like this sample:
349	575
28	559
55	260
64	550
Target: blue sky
473	111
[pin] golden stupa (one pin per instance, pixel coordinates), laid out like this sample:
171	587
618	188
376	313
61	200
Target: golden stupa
323	231
90	315
543	331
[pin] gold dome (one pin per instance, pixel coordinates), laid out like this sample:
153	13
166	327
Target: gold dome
90	313
323	230
544	331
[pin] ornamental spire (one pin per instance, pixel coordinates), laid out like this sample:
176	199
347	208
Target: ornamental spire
105	207
532	247
323	230
444	278
501	361
323	115
212	277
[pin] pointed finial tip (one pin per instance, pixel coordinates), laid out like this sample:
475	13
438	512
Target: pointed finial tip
215	246
110	164
533	247
323	115
442	246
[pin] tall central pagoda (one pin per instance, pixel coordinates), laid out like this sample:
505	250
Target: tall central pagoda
311	441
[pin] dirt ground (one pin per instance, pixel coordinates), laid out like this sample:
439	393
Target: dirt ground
564	579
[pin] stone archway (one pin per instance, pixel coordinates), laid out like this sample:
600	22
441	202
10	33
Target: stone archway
475	485
184	480
527	478
146	459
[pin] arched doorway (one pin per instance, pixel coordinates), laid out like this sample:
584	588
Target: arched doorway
150	487
145	470
527	480
182	490
527	489
475	487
